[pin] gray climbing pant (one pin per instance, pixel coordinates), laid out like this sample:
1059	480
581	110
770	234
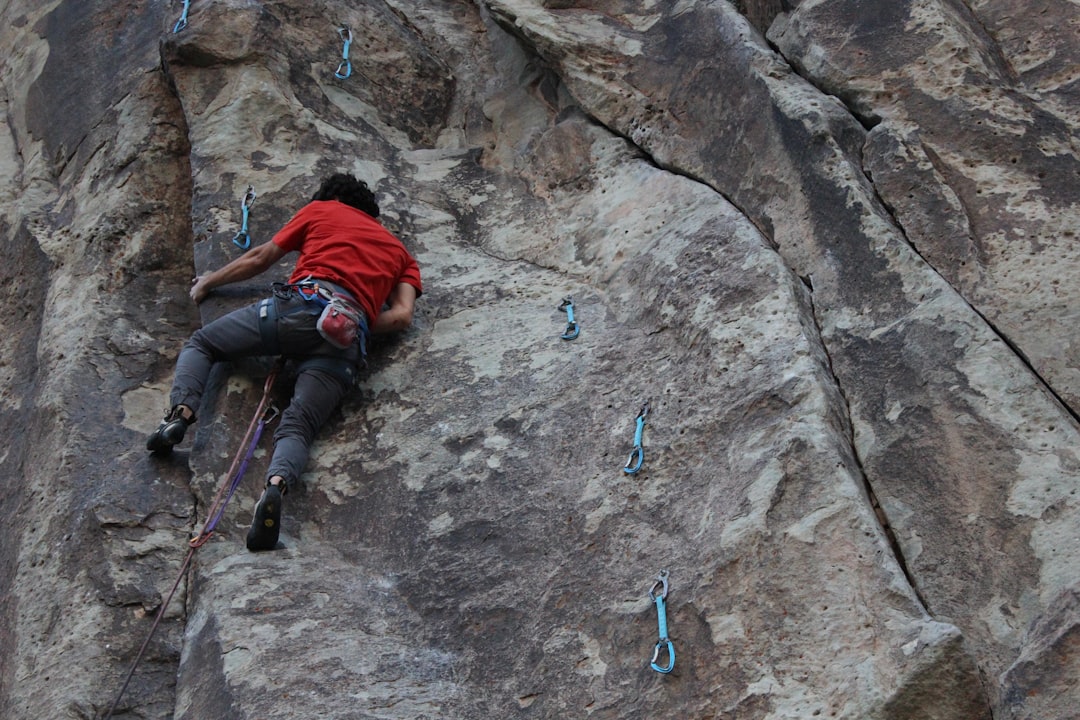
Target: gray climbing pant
284	324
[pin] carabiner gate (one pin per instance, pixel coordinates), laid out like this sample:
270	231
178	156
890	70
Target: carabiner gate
656	654
249	197
271	414
662	583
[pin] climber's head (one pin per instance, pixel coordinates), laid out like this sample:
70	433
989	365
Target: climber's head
345	188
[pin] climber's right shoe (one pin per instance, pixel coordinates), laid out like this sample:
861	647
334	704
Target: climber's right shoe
170	432
266	524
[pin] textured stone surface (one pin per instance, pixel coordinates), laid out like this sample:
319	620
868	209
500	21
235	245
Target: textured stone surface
838	264
978	168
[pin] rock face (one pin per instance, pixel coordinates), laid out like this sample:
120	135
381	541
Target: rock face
830	243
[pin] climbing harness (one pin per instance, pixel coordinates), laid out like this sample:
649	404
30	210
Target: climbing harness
658	593
242	240
224	494
182	22
344	68
637	455
572	329
342	321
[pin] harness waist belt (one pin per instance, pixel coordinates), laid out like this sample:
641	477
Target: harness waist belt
325	290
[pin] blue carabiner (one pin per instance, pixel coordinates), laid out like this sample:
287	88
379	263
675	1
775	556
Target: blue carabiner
637	455
242	240
660	645
572	329
182	22
664	643
345	33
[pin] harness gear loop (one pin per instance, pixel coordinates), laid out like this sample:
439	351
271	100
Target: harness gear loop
309	290
182	22
242	240
637	455
664	643
263	415
572	329
344	68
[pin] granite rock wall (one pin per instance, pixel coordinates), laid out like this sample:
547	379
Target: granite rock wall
830	243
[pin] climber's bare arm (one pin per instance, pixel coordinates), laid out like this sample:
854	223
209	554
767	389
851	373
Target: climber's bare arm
256	260
399	315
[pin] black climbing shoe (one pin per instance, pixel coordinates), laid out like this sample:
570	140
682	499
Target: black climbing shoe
263	534
170	432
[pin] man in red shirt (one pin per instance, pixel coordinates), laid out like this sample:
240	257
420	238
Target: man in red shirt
346	257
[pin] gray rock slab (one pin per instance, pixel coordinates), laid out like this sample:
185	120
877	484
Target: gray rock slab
837	267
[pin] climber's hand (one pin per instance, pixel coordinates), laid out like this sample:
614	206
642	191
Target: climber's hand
200	288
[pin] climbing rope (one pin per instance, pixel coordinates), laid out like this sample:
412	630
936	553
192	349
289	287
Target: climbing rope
637	455
153	627
223	497
344	68
658	593
224	494
572	329
242	240
182	22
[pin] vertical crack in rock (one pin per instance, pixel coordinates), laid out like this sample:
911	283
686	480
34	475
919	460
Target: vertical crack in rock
879	511
996	52
766	235
994	328
1013	346
869	122
1016	350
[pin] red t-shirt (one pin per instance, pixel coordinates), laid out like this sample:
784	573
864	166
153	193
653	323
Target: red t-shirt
350	248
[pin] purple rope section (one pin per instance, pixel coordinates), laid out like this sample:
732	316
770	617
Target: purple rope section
217	507
217	510
208	529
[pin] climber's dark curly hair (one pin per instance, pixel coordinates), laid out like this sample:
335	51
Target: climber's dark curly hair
345	188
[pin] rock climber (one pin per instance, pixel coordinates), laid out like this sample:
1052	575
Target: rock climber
352	277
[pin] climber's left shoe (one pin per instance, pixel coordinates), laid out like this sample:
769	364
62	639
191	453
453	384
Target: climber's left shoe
170	432
266	524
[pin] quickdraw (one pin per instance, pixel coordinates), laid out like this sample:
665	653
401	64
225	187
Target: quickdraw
242	240
637	455
182	22
658	593
344	68
572	329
